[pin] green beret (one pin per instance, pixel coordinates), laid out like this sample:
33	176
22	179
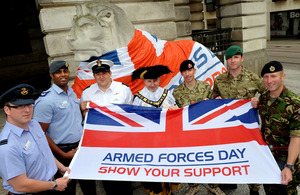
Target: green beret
233	50
271	67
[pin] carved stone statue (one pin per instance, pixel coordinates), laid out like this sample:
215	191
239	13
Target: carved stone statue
98	27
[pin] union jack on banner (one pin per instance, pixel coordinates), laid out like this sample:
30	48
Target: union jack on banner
209	141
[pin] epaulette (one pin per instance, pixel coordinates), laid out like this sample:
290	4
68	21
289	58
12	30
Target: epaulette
125	84
87	87
3	142
44	93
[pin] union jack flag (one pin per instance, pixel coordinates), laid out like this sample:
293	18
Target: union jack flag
213	141
194	125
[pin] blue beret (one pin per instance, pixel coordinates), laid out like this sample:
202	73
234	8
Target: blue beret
56	65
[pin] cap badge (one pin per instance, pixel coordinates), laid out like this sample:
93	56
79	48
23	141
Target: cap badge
190	65
24	91
99	63
272	68
67	65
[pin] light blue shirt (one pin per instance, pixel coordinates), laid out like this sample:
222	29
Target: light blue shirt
62	111
25	152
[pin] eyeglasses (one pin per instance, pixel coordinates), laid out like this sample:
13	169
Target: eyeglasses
21	107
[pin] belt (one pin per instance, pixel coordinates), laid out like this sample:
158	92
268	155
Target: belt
71	145
38	193
278	148
10	193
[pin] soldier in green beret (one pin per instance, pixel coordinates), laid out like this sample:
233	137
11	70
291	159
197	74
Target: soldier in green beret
237	83
279	109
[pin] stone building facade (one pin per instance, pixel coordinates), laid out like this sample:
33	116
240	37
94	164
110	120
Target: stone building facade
250	21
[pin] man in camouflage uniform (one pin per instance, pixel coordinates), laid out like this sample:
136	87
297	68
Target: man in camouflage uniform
188	92
191	90
279	110
237	83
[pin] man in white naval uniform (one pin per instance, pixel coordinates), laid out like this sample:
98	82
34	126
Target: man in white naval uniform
152	95
104	92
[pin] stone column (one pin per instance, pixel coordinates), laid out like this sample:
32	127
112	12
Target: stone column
248	21
197	15
182	17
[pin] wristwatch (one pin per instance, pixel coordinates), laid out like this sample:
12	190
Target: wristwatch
55	185
290	167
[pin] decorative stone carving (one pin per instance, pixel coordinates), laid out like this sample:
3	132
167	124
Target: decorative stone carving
98	28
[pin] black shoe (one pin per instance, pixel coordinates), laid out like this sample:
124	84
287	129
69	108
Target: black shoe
252	192
228	186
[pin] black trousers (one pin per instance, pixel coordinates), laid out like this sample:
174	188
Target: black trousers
88	187
117	187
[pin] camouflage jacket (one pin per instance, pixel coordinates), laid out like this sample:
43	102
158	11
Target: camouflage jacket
185	96
280	121
244	86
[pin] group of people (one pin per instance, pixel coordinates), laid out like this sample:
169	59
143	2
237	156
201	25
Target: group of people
35	153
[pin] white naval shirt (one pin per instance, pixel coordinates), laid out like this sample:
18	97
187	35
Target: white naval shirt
117	93
154	96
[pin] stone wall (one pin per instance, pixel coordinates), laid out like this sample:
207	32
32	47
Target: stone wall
248	20
168	20
197	15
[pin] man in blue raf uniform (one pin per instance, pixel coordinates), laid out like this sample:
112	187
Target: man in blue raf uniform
27	163
58	112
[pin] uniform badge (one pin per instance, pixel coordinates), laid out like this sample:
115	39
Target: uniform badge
44	93
190	65
24	91
116	93
272	68
99	63
27	145
64	102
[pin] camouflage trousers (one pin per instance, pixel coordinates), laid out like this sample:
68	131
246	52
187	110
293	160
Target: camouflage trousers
291	188
253	187
278	189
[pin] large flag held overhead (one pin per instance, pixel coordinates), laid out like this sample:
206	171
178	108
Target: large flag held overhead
213	141
147	50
